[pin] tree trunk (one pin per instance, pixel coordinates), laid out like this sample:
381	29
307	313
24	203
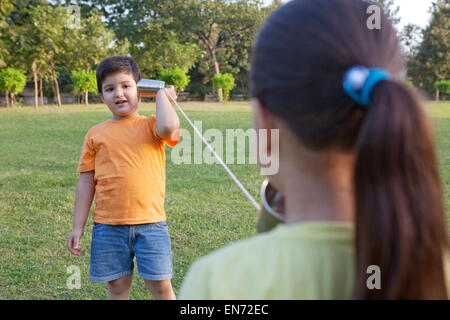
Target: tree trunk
54	91
33	67
7	99
55	80
86	98
437	95
58	96
13	100
41	91
216	71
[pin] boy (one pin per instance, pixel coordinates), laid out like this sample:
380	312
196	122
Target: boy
123	163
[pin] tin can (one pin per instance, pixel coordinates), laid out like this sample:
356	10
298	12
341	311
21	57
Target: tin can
149	87
272	207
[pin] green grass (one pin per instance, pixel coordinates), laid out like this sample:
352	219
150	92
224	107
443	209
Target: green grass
205	210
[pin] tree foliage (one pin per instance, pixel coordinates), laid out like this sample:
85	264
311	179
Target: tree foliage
224	30
162	50
208	35
5	30
144	25
92	42
202	38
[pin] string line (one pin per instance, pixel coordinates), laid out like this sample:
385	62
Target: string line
236	180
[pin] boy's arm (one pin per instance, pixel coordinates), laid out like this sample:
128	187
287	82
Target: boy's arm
166	118
83	200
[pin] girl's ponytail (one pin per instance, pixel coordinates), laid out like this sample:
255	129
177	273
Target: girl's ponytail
298	62
400	221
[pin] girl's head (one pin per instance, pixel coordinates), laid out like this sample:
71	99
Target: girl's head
299	59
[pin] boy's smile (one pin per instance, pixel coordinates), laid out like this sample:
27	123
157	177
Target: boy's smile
119	93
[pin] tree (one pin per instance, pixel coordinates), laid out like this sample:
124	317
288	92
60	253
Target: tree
215	24
50	26
44	76
390	10
432	61
212	25
145	26
277	3
410	37
3	86
224	81
85	82
34	53
15	26
92	42
176	77
12	81
25	46
162	50
65	45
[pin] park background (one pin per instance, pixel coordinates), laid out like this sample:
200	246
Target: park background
48	101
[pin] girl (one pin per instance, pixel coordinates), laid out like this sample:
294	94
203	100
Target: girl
364	205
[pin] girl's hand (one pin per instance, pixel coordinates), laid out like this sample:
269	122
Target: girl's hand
72	242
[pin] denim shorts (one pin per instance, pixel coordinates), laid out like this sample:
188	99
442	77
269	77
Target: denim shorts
113	249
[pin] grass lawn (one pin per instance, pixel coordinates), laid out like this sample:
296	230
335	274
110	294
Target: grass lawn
205	209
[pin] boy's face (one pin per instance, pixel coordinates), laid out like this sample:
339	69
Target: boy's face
120	94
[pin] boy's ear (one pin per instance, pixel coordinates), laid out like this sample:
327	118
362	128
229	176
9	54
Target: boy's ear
101	97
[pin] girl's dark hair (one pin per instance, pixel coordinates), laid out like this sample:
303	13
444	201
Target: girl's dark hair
116	64
299	58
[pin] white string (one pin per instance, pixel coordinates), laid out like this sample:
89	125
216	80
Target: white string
239	184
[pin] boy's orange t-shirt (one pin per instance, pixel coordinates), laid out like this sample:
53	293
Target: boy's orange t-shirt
129	162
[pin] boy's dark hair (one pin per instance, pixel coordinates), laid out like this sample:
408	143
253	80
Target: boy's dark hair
116	64
298	62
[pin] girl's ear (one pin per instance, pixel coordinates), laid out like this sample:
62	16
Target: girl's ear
263	119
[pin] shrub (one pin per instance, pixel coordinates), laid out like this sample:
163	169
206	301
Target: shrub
13	81
224	81
443	86
199	89
84	82
175	77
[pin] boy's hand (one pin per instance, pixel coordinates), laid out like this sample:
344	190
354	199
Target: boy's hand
170	91
72	242
166	117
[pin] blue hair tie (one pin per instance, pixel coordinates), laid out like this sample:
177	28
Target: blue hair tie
359	81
